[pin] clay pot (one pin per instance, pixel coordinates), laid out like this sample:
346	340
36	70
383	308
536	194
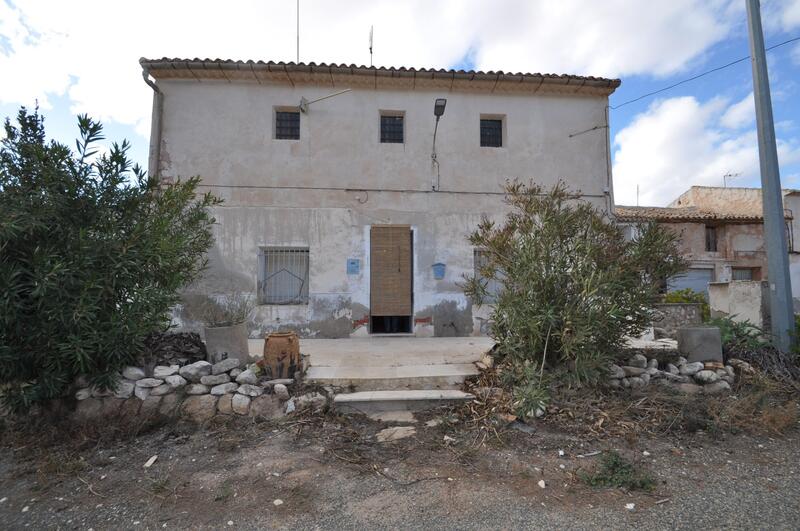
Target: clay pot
281	355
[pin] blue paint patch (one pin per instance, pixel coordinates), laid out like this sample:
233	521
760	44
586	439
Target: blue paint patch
438	270
353	266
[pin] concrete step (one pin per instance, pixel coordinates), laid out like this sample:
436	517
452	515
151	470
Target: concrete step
390	378
408	400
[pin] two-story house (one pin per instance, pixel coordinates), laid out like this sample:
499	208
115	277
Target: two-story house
349	191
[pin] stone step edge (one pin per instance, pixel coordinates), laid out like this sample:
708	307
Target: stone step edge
401	396
389	373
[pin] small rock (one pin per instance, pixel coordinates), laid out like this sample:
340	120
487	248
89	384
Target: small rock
542	484
196	389
265	407
225	388
235	372
706	377
672	369
240	404
277	502
689	388
730	379
290	407
715	388
141	392
125	389
199	408
225	365
149	382
645	378
194	371
133	373
161	390
247	377
175	381
162	371
633	371
690	369
83	394
730	371
280	391
250	390
652	363
653	372
285	381
626	382
615	371
395	433
630	506
676	377
313	400
215	379
636	382
616	384
639	361
682	361
646	453
433	423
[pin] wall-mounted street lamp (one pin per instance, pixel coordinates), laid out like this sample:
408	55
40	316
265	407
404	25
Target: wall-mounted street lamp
438	111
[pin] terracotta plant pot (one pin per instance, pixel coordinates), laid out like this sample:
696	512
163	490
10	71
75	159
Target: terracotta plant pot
223	342
281	355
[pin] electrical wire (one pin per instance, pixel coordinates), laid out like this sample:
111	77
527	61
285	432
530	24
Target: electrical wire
687	80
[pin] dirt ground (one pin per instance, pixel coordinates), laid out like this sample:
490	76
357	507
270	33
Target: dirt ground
329	472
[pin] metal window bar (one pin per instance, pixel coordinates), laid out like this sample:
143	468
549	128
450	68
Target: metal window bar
742	273
287	125
480	258
491	133
283	275
391	129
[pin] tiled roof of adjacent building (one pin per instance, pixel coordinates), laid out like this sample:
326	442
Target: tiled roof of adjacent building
688	214
269	71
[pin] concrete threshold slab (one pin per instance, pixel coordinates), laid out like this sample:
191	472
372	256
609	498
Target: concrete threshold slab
409	400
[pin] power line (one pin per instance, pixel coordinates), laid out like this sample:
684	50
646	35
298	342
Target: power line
717	69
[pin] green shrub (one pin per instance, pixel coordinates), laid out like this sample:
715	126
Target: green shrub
616	471
92	255
688	295
739	336
572	286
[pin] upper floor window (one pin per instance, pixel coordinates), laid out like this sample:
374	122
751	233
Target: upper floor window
491	132
711	239
392	128
287	125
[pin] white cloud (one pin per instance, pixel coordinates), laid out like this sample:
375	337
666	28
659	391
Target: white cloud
89	49
740	114
677	143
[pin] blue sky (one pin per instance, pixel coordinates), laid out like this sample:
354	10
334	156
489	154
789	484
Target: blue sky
82	56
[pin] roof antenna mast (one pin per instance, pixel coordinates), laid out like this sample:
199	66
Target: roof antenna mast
298	31
370	44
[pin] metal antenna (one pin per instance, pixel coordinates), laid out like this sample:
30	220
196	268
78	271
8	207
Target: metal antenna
727	176
370	44
298	31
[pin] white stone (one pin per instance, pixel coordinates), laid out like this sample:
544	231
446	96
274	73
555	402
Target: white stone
149	382
636	382
83	394
615	371
225	365
645	378
716	388
141	392
223	389
161	390
633	371
250	390
235	372
690	369
247	377
162	371
639	361
281	391
290	407
125	389
240	403
672	369
652	363
175	381
682	361
215	379
196	389
542	484
706	377
314	400
395	433
133	373
194	371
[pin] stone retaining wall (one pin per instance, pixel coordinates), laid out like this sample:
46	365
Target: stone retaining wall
671	316
196	391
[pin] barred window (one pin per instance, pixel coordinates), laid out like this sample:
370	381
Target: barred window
744	273
283	275
287	125
480	258
391	129
491	132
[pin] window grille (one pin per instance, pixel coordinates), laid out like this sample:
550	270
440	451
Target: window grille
491	133
391	129
287	125
480	258
283	275
711	239
742	273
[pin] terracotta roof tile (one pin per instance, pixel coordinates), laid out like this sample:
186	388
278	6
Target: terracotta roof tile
677	214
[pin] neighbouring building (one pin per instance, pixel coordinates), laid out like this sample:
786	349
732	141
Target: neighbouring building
722	234
347	203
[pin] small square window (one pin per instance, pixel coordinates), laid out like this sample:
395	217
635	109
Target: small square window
391	129
283	275
287	125
491	132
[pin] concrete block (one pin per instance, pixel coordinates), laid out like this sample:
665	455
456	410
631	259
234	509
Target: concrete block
702	343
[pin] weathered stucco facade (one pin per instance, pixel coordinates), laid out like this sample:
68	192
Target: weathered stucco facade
722	234
327	190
